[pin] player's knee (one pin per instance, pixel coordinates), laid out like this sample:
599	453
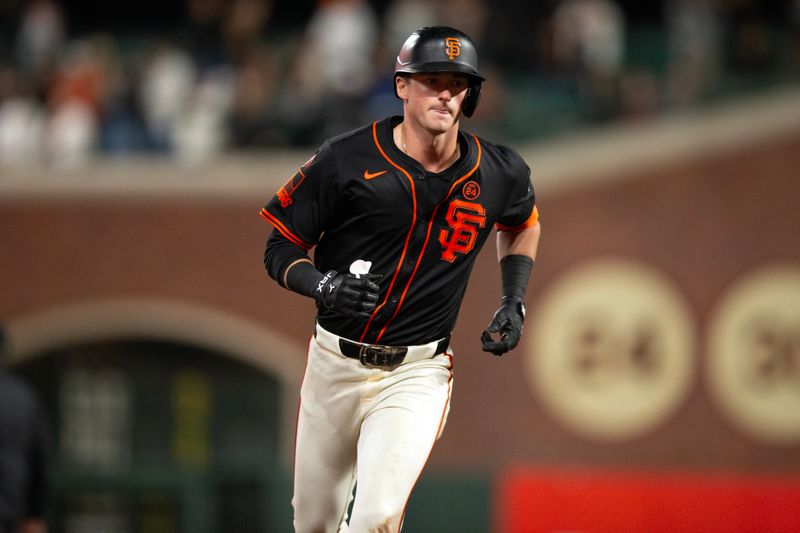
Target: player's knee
312	520
377	521
308	527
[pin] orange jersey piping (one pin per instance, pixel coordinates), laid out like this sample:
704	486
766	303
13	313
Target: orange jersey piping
269	217
408	235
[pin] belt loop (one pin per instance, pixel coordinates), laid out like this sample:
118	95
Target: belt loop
443	345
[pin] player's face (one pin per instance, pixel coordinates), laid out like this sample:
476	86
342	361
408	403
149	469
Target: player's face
433	99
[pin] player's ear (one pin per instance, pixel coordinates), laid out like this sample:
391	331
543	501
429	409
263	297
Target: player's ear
401	87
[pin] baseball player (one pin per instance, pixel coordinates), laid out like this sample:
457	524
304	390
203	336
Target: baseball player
397	212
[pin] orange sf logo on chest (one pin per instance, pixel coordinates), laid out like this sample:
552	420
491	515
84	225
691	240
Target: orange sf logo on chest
453	47
464	218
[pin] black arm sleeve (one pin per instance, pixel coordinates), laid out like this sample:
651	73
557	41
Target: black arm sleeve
515	272
280	253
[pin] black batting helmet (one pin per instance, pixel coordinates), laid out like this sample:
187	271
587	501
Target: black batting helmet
442	49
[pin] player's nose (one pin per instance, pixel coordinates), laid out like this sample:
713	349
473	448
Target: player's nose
445	94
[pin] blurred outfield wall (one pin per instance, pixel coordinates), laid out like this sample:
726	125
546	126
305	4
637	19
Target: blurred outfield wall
663	333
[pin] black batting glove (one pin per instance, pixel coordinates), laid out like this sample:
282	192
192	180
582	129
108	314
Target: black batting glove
347	294
506	325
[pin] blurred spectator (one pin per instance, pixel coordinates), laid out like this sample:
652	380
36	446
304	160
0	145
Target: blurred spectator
81	74
341	36
205	31
21	122
243	27
640	95
23	450
403	17
299	105
121	122
165	86
694	34
255	89
751	41
336	54
589	41
198	132
40	38
74	101
516	37
469	16
70	135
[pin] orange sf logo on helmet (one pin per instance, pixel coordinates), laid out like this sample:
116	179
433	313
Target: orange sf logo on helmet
453	47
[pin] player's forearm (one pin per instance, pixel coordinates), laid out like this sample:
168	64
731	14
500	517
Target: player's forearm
302	277
290	266
525	242
517	252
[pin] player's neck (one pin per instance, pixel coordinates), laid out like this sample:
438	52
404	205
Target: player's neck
434	151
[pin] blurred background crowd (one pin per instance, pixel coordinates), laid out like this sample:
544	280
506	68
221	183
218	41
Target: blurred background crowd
191	79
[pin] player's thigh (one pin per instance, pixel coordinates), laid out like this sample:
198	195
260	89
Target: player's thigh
325	448
395	442
330	411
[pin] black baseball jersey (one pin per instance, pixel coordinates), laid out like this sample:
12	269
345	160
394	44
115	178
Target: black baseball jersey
360	197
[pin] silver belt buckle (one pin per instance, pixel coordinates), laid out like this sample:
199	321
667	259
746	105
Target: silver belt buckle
376	356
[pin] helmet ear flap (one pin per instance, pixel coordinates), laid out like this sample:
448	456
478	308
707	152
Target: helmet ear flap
471	99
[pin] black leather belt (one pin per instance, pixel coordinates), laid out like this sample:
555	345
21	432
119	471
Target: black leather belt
382	356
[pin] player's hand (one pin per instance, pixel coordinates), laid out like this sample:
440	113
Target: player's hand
347	294
506	327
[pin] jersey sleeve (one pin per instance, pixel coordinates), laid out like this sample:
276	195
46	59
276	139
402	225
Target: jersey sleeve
521	211
302	206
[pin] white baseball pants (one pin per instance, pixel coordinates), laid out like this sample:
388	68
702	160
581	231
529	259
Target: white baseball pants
364	426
